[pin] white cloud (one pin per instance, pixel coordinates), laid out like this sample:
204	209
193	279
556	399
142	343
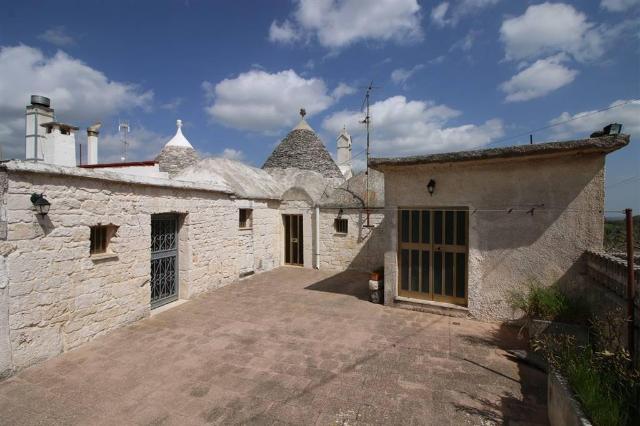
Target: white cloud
466	43
618	5
341	90
57	36
79	93
337	24
541	78
586	122
550	28
404	127
260	101
283	33
401	75
232	154
447	13
439	12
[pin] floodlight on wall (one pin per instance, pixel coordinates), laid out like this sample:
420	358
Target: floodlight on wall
40	203
431	186
613	129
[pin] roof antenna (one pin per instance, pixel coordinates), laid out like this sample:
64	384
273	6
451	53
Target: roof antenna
123	129
367	122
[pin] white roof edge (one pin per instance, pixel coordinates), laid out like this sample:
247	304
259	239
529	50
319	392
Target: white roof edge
30	167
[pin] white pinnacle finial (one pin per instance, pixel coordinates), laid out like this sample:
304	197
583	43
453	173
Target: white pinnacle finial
179	139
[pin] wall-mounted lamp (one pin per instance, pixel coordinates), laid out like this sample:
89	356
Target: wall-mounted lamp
431	186
340	213
40	203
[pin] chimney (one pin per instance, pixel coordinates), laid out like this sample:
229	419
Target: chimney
37	113
92	143
59	144
344	153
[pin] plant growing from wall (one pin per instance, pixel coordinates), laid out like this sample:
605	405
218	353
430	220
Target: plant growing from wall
538	302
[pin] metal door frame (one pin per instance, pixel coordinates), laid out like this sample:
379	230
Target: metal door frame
166	253
432	247
287	221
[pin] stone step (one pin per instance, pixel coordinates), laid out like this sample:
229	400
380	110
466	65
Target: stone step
445	309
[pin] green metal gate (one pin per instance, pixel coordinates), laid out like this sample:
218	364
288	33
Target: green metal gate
164	259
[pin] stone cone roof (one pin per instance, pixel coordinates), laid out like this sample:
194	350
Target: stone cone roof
303	149
177	154
174	159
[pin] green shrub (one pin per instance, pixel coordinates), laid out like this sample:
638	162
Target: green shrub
540	302
601	375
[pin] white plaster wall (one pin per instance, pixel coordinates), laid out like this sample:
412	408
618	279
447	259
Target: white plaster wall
59	297
60	149
508	250
361	248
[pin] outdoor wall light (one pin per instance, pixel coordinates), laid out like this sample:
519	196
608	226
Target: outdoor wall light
40	203
613	129
431	186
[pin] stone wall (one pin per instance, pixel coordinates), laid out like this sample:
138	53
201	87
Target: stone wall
508	250
361	248
606	290
56	296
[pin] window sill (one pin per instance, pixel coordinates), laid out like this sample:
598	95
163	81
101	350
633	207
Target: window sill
103	256
245	229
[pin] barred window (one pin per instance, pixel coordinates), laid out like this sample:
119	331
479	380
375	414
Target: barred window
245	219
101	237
341	225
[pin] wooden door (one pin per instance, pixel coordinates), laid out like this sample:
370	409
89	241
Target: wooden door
433	254
293	239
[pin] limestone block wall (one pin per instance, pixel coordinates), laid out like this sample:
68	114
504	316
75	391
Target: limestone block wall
258	245
508	250
361	248
54	296
267	225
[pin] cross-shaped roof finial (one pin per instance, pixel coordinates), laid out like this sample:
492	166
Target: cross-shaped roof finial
303	112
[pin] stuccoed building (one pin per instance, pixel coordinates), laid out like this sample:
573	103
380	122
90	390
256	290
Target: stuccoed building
85	249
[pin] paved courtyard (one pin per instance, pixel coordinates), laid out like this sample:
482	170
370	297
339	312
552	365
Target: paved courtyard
291	346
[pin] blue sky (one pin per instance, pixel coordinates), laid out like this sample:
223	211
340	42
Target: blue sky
452	75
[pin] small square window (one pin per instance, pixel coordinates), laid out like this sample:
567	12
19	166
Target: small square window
245	218
101	237
341	225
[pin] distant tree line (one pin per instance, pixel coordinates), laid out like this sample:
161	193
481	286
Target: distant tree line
615	239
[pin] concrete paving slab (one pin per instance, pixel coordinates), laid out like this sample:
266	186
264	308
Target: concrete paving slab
290	346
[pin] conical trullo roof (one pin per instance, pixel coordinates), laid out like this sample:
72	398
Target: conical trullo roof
303	149
177	154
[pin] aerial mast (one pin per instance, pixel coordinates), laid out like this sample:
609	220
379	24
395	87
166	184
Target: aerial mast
367	123
123	129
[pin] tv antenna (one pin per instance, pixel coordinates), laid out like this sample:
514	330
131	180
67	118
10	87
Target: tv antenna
123	129
367	123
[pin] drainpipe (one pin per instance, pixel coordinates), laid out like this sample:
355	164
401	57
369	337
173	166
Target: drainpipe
317	237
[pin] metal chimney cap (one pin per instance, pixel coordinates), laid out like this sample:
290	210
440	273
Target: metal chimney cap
40	100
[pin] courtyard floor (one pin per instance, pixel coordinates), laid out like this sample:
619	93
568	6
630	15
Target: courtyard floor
290	346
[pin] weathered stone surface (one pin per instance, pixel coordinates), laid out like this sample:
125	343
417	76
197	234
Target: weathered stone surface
174	159
508	250
54	296
303	149
601	145
361	248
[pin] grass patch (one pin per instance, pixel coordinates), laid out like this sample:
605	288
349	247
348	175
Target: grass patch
549	303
